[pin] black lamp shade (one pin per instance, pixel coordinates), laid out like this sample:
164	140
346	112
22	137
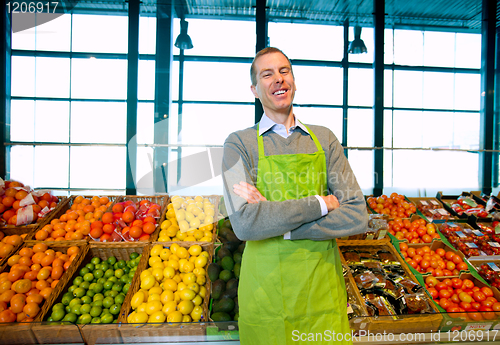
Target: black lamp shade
357	46
183	41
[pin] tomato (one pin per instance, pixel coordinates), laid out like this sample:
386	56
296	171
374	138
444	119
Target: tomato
478	296
445	293
487	303
431	281
468	284
444	303
475	316
465	305
456	283
434	293
453	312
441	286
487	291
462	266
454	298
476	288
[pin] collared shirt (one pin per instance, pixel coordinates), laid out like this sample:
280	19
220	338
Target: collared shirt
267	124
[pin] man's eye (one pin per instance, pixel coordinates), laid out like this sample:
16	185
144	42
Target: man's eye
266	75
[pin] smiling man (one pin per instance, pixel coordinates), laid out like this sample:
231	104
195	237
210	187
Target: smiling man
289	192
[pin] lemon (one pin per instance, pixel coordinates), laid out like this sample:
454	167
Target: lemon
153	306
157	265
188	266
156	250
164	239
141	317
197	300
170	213
174	247
200	261
198	271
166	296
185	307
131	317
154	297
194	287
141	308
158	273
198	198
148	282
144	274
173	257
181	286
177	205
208	220
177	278
165	224
206	239
209	212
137	300
201	280
165	253
189	216
168	272
180	215
189	278
169	284
175	316
201	216
187	294
177	297
183	225
190	239
145	293
157	290
190	207
182	253
186	318
172	230
181	235
198	234
207	233
203	291
181	264
196	313
205	254
153	260
169	307
174	264
157	316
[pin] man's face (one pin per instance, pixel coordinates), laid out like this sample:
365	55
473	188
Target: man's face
275	83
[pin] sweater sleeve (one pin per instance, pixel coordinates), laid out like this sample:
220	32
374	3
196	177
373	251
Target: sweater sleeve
351	217
266	219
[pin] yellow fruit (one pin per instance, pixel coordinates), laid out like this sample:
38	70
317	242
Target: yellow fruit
169	284
194	286
208	219
180	215
153	306
137	300
165	224
181	235
174	247
203	291
181	286
189	216
141	308
141	317
187	294
198	271
158	273
182	253
198	234
177	278
209	212
156	250
157	290
195	223
154	297
198	198
190	239
172	230
174	317
168	272
170	213
173	257
181	264
206	239
148	282
189	278
144	274
200	261
164	239
157	316
183	226
157	265
166	296
197	300
185	307
188	267
196	313
205	254
169	307
165	253
192	259
131	317
186	318
201	280
153	260
201	216
177	205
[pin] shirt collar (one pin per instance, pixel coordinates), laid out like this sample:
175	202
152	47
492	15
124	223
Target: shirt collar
266	124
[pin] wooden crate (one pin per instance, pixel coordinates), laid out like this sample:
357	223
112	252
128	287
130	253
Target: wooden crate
165	332
411	323
16	231
17	333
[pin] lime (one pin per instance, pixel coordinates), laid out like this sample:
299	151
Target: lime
98	274
98	287
133	255
50	319
79	292
115	309
90	293
57	314
95	311
72	288
84	319
67	297
117	287
108	285
137	260
75	301
84	271
75	309
107	292
119	298
98	297
115	266
113	293
98	267
78	280
91	286
125	288
86	300
122	263
97	303
70	317
85	285
96	320
119	273
124	279
88	277
104	311
104	266
85	309
58	306
113	279
90	266
67	309
108	302
95	260
126	269
101	280
111	260
106	318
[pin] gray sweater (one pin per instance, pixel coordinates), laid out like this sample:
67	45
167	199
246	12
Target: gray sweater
253	222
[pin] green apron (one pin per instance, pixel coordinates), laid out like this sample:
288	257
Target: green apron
292	292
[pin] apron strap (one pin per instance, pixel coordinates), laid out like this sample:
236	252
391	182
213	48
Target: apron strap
313	136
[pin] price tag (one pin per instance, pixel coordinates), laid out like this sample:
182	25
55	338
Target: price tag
442	212
460	234
424	203
477	233
471	245
434	202
497	229
494	266
381	234
494	244
349	309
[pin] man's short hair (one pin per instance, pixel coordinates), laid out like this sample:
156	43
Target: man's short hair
268	50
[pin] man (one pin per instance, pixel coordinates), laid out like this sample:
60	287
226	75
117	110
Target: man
289	192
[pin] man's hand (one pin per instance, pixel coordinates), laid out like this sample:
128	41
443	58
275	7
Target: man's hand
331	202
250	193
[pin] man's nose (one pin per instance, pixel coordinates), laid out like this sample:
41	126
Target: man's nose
279	78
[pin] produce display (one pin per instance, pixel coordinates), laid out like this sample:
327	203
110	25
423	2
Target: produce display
97	293
463	297
395	205
224	274
21	206
440	262
467	205
416	231
432	209
9	244
172	288
30	278
188	219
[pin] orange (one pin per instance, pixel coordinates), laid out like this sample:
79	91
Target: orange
57	272
86	202
7	316
107	218
72	250
117	208
15	240
34	298
20	195
8	201
78	199
43	203
5	250
88	209
25	261
28	252
32	309
148	228
128	217
96	233
40	247
31	275
95	198
41	284
10	192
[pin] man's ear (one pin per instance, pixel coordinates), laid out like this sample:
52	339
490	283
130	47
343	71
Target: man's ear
254	91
